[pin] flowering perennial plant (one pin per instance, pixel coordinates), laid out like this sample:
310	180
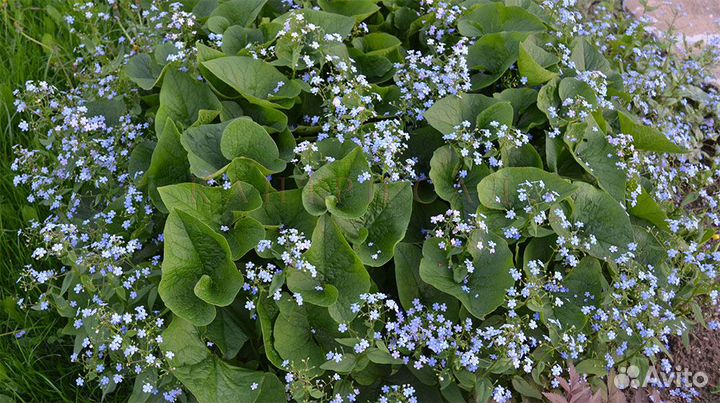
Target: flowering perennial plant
396	201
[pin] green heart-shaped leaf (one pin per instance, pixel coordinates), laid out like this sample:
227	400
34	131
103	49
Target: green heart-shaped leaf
499	190
445	168
244	138
591	149
336	187
533	62
176	104
211	379
603	217
197	271
304	334
646	137
450	112
168	163
144	71
497	17
484	289
337	265
254	79
383	225
202	144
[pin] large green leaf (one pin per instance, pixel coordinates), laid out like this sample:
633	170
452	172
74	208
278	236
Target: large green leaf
216	207
143	71
205	52
499	190
244	138
272	119
650	250
330	22
150	375
168	163
360	9
182	97
572	88
409	284
254	79
530	5
197	271
111	109
588	58
212	205
285	208
497	17
533	62
484	289
445	167
378	44
244	236
585	286
492	55
267	312
603	217
377	68
648	209
337	265
548	99
646	137
210	379
524	156
236	38
450	112
525	110
250	171
521	99
139	161
375	234
501	112
586	283
590	148
303	334
238	12
335	187
163	51
541	249
226	331
202	144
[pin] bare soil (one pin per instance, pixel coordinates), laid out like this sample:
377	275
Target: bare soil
703	354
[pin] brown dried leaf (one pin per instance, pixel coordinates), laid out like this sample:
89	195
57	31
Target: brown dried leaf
597	397
555	397
565	385
579	387
640	396
582	395
574	376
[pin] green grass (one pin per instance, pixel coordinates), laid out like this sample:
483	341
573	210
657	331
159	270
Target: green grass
34	47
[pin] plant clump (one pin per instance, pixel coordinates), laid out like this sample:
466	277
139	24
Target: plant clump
395	201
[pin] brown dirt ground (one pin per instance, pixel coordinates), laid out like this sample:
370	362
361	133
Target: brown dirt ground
703	354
